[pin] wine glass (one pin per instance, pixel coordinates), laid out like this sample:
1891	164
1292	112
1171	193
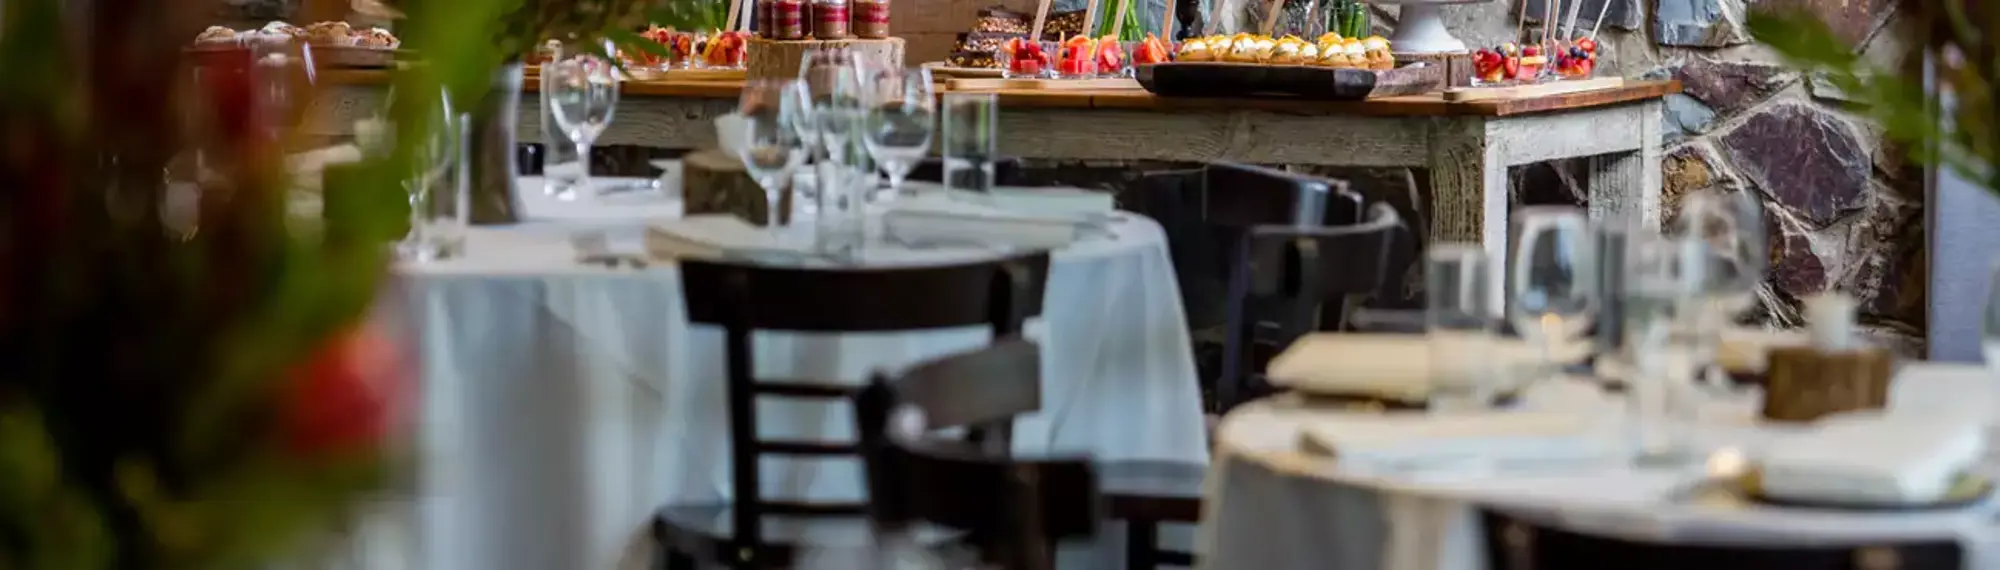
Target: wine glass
1665	343
897	127
1733	226
774	143
832	80
1552	281
583	91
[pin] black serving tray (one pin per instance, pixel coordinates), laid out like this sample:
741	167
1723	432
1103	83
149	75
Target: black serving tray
1223	79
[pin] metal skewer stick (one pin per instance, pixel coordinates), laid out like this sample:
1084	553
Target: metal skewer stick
1167	23
1601	12
735	8
1575	6
1549	19
1521	24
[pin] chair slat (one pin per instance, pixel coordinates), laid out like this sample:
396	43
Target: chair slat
784	447
995	383
803	389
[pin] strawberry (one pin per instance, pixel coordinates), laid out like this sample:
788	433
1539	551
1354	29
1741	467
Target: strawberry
1511	67
1588	45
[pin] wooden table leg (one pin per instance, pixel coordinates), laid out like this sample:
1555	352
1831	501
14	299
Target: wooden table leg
1468	199
1625	186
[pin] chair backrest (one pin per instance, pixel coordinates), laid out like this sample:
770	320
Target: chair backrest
1015	509
1519	544
999	293
1311	277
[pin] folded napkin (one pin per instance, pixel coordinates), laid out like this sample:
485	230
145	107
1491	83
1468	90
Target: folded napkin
1395	366
714	236
1058	202
1400	442
941	219
1873	458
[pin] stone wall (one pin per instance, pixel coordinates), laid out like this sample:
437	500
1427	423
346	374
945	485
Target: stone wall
1846	211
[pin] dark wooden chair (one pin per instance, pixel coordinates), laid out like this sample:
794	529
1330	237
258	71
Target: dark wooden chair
1312	277
1514	543
760	532
1013	511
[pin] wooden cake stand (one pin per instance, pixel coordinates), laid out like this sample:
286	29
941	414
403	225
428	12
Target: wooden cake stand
780	58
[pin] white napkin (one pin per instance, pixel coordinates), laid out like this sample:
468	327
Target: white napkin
1400	442
943	219
710	236
1393	366
1873	458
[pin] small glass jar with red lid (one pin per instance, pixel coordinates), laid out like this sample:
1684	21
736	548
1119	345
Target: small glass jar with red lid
788	19
871	19
830	19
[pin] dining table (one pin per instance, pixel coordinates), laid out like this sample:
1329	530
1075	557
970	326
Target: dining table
1275	503
565	400
1466	147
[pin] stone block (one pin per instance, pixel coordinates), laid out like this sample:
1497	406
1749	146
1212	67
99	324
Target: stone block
1700	23
1854	21
1803	158
1619	14
1796	269
1731	86
1684	116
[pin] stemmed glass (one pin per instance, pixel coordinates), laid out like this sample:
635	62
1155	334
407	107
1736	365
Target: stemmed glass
833	82
774	144
583	91
1733	227
1665	342
1552	281
897	130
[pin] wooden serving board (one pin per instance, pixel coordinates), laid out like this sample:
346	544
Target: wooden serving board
1463	94
1224	79
736	74
987	84
940	70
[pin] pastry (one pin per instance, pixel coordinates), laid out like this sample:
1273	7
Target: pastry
975	59
1357	55
376	38
1377	50
1062	25
277	28
1285	51
216	34
330	33
1195	50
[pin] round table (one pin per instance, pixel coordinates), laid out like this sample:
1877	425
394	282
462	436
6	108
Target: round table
564	402
1274	506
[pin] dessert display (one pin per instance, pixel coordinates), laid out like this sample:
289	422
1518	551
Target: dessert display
1111	58
1509	63
724	50
1026	59
1077	59
1577	59
1151	51
1329	50
1000	20
321	34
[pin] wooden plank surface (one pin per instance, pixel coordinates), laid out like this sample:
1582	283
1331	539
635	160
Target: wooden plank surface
1140	100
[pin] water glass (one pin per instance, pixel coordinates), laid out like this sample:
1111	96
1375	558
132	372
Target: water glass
1458	325
1989	341
582	91
440	194
1665	345
1552	282
971	133
897	130
558	151
774	141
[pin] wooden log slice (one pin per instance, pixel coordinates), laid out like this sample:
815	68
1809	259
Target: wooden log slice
715	182
1457	65
780	59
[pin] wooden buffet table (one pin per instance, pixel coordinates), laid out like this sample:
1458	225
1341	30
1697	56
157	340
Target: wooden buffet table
1466	146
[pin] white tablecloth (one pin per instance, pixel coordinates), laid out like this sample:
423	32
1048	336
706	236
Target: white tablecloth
1273	507
563	403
